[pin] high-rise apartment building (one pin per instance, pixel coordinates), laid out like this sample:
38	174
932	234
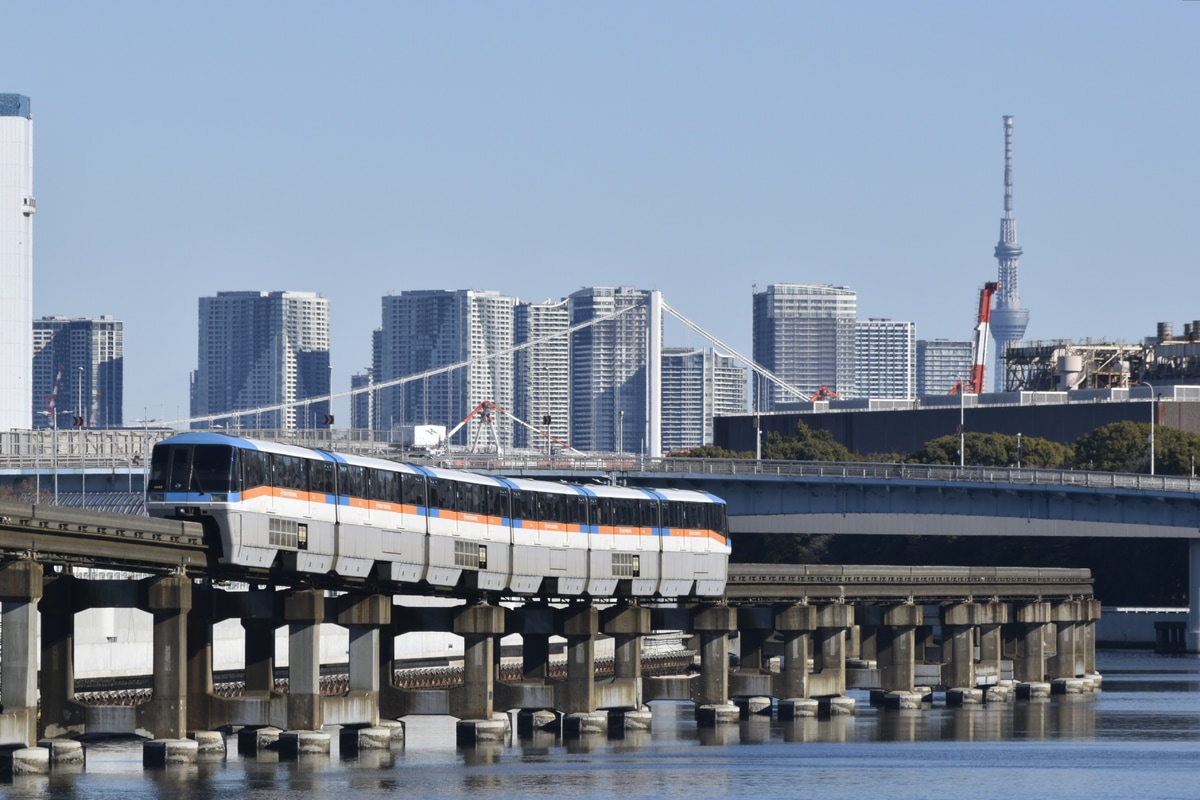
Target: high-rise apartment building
17	206
78	371
258	350
426	331
364	400
608	369
941	363
886	359
542	373
804	334
697	385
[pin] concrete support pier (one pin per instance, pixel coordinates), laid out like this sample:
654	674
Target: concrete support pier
713	624
896	646
20	590
627	624
304	611
481	626
365	617
580	625
795	625
828	678
166	716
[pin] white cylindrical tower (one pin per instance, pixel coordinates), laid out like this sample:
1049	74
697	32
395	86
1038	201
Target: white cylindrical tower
17	206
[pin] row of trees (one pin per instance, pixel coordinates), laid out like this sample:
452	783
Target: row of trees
1118	447
1127	572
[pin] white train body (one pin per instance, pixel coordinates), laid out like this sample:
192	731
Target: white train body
277	507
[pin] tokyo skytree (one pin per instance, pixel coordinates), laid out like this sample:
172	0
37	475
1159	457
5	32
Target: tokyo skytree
1009	320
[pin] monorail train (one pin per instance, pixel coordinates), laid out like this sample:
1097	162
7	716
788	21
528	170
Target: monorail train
268	506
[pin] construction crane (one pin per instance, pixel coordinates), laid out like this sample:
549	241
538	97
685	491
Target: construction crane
974	384
486	408
825	393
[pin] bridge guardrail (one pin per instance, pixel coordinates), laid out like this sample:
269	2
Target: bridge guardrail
128	449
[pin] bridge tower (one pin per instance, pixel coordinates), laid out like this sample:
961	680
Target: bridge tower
1009	320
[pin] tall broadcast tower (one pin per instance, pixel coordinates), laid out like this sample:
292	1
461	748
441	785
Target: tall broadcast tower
1009	320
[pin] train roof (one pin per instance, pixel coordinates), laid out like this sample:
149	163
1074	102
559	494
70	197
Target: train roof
553	487
209	437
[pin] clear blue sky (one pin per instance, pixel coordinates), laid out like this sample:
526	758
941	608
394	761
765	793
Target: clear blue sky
534	148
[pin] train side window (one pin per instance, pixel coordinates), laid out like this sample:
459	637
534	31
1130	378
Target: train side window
254	469
648	513
595	511
552	507
626	511
474	498
160	460
497	502
442	494
671	514
412	490
383	485
321	477
351	481
577	510
524	505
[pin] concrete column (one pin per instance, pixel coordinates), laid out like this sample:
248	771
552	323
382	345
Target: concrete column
1091	615
200	661
480	626
20	591
537	625
364	616
169	599
755	624
713	623
580	626
958	646
1067	661
829	650
260	656
62	715
304	611
1029	663
896	642
627	625
795	624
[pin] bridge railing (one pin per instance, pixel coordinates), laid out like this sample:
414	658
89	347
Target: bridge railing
43	450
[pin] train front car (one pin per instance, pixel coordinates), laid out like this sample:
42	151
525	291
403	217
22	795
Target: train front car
253	498
695	542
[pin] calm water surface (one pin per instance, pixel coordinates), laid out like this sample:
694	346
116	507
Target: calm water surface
1138	738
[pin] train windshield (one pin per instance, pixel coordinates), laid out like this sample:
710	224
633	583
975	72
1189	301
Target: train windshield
204	468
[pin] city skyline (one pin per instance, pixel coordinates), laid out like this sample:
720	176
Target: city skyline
608	147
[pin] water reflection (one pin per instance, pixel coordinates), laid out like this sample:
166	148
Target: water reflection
1143	722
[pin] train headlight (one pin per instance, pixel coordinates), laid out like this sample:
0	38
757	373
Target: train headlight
157	497
219	497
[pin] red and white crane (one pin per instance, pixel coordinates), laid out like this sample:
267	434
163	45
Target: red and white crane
974	383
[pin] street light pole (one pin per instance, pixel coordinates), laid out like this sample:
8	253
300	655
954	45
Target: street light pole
962	425
1018	450
1152	415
